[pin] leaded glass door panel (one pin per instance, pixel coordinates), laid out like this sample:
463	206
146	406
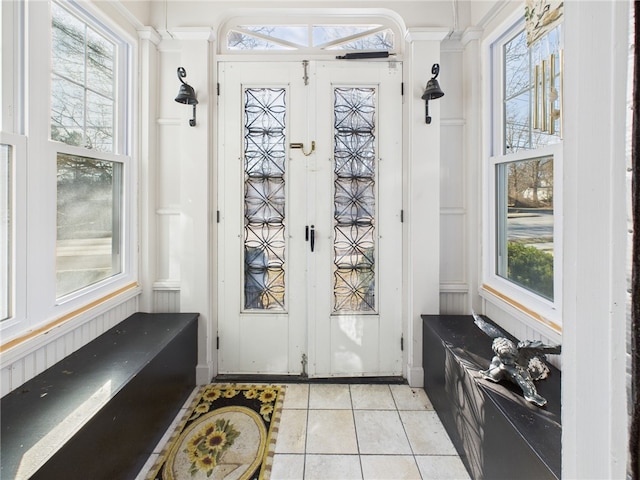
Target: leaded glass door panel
358	200
310	238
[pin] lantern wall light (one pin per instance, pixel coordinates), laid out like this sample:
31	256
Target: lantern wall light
431	91
187	95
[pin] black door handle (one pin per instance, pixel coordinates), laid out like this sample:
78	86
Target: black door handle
306	233
313	238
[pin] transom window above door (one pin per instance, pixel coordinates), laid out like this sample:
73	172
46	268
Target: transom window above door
322	35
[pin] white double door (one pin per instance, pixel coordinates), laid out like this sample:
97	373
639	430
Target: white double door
310	227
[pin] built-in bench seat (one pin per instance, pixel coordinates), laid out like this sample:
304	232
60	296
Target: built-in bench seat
498	434
99	413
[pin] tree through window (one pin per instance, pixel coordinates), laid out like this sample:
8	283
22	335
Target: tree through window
83	83
317	37
88	110
524	259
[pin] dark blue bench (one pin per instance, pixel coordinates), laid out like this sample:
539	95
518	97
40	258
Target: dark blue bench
118	394
498	434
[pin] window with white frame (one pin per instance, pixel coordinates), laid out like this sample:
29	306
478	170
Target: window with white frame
88	110
523	256
66	189
244	35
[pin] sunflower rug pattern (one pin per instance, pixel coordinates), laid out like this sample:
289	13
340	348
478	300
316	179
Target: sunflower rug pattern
229	432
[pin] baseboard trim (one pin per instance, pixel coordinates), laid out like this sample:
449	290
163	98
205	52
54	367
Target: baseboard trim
204	373
415	376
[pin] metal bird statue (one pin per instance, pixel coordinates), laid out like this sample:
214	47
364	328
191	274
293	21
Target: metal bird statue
522	363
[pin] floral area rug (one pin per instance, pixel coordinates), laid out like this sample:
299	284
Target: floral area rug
229	432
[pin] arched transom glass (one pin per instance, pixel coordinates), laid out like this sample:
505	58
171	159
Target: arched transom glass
247	35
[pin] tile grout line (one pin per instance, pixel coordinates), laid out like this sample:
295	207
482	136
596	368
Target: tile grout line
355	430
306	433
413	452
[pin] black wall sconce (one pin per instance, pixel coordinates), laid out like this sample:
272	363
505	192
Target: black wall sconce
431	91
187	95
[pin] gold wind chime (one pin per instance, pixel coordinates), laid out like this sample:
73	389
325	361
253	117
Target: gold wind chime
547	94
541	17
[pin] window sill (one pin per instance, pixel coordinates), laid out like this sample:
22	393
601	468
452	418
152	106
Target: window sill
526	315
33	339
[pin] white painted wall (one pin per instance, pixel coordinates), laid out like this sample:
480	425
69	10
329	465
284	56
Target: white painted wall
422	143
593	366
593	322
176	193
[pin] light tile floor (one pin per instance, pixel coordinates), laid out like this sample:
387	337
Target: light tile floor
366	432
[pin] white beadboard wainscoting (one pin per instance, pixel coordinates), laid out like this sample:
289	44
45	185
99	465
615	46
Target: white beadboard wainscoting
33	356
166	299
454	302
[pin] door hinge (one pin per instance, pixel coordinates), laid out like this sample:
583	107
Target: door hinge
217	216
218	88
402	89
402	343
217	343
401	216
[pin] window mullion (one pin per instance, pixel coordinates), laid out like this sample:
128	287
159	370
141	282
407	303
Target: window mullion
84	88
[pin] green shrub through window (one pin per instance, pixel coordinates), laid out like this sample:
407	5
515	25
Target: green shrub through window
525	217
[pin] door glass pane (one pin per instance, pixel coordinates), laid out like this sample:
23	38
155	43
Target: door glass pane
354	200
305	36
382	40
323	34
6	215
525	224
297	34
243	41
264	198
89	206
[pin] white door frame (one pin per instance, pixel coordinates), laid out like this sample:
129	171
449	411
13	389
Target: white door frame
422	198
383	75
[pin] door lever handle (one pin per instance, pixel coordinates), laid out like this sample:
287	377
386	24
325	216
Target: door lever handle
313	238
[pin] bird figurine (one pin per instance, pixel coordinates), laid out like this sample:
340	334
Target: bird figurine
522	363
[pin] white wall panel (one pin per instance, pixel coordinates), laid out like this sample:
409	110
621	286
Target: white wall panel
450	80
168	243
49	356
17	372
453	303
169	61
166	300
5	381
41	360
452	178
36	361
29	366
168	162
168	170
453	247
452	253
